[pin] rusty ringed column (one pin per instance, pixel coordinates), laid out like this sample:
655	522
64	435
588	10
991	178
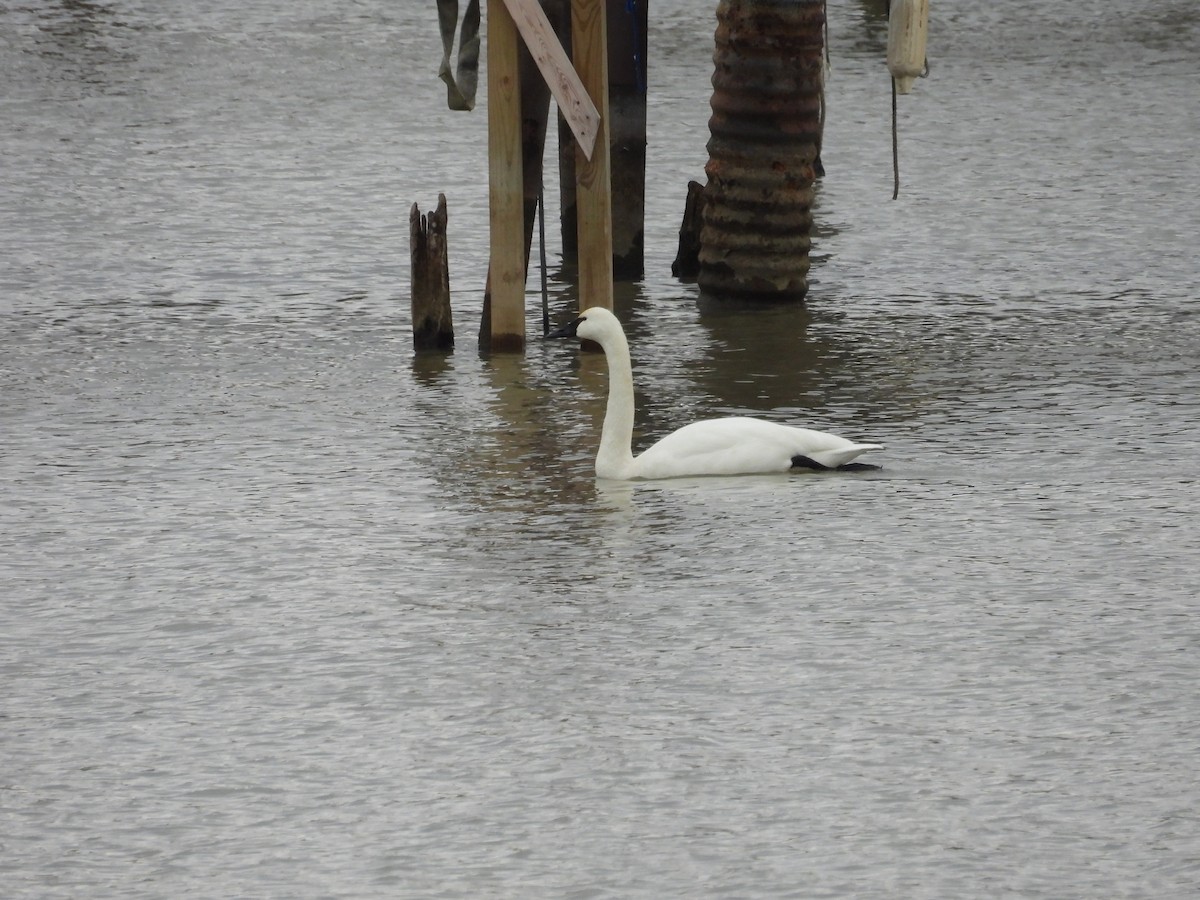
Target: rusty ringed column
764	133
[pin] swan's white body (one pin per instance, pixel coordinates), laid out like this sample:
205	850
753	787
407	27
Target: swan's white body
732	446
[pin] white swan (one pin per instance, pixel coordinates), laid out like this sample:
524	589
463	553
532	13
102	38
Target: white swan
733	446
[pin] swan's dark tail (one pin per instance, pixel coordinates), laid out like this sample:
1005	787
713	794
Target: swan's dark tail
800	461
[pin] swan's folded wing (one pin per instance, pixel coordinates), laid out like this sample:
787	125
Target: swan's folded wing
735	446
740	446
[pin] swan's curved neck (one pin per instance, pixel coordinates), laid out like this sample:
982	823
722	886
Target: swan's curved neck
615	457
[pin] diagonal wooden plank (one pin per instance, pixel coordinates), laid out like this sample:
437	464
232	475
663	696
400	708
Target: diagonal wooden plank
565	85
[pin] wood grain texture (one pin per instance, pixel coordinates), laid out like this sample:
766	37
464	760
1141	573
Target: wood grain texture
505	181
573	99
593	177
432	321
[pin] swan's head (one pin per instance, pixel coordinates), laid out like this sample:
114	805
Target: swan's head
594	324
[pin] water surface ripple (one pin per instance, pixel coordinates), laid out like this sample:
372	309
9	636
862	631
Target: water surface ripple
287	612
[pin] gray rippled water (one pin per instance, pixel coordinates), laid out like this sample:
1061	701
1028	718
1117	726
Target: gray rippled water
289	612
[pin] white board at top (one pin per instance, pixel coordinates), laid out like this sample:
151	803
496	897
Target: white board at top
552	61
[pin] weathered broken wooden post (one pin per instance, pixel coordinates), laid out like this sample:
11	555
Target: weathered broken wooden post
764	134
432	323
687	257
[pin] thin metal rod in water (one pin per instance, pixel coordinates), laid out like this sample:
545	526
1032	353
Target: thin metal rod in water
895	147
542	248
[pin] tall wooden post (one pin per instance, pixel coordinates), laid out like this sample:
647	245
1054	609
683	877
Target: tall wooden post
589	51
506	275
626	131
627	45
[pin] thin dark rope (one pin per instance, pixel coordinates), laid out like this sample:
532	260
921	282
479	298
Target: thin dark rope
895	147
895	131
826	68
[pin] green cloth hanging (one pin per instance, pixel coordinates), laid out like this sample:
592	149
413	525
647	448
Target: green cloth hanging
460	84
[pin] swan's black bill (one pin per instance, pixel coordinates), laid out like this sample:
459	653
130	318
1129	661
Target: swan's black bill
565	331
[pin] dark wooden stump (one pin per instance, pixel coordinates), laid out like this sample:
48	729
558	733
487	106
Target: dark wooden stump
687	259
433	325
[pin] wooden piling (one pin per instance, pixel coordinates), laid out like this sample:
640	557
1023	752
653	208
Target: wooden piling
625	37
593	190
506	273
432	323
535	111
627	45
582	90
